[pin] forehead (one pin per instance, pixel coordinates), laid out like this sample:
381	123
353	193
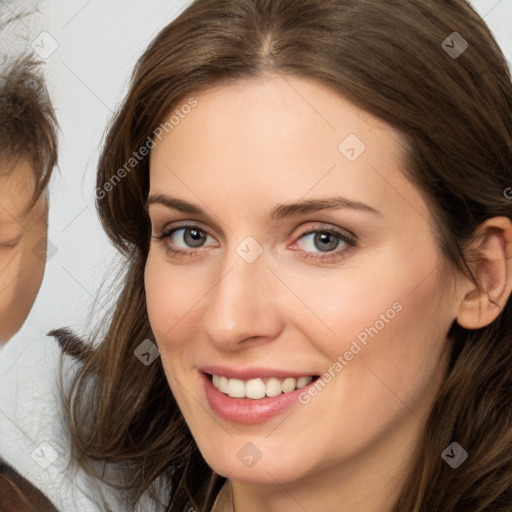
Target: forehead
278	138
17	185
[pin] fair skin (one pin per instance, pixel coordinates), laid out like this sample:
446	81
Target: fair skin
22	246
245	149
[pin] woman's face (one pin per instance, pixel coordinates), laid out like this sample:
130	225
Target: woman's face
303	251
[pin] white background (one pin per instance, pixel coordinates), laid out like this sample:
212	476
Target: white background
98	44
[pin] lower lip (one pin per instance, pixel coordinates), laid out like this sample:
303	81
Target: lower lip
246	410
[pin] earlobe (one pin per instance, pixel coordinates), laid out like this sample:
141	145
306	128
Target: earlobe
493	268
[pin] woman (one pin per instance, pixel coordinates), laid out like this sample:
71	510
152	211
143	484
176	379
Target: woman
310	199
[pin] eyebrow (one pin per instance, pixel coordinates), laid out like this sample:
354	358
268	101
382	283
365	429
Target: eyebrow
278	212
314	205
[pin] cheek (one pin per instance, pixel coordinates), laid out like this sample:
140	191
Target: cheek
388	353
173	292
385	316
174	296
8	268
383	364
391	294
21	274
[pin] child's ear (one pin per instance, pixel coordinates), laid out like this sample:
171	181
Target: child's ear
493	269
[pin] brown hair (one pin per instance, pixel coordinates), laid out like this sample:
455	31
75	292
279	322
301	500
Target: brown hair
28	126
456	117
18	494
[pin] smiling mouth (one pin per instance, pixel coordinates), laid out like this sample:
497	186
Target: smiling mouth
258	388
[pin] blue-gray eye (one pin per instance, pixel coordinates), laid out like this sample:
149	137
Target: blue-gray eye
321	241
186	238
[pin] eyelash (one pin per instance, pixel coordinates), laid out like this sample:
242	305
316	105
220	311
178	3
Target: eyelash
330	255
10	245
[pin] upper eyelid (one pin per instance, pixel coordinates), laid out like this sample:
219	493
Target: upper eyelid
11	243
171	229
192	224
334	229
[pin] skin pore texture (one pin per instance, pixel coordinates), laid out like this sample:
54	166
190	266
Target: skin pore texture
22	246
245	149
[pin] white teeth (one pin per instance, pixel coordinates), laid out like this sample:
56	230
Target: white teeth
289	385
273	387
257	388
223	385
236	388
303	381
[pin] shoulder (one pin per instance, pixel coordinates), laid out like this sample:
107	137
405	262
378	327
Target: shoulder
34	443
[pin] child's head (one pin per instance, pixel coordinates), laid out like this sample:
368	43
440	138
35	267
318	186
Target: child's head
28	154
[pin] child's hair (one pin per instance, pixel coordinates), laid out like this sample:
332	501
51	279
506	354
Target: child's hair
28	126
390	58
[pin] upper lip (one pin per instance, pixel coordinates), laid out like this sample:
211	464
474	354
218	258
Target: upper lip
252	373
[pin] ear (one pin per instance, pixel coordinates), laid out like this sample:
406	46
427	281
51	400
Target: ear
493	270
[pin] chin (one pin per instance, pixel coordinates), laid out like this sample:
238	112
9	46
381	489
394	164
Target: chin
245	465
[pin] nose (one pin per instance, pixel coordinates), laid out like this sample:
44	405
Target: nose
243	306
